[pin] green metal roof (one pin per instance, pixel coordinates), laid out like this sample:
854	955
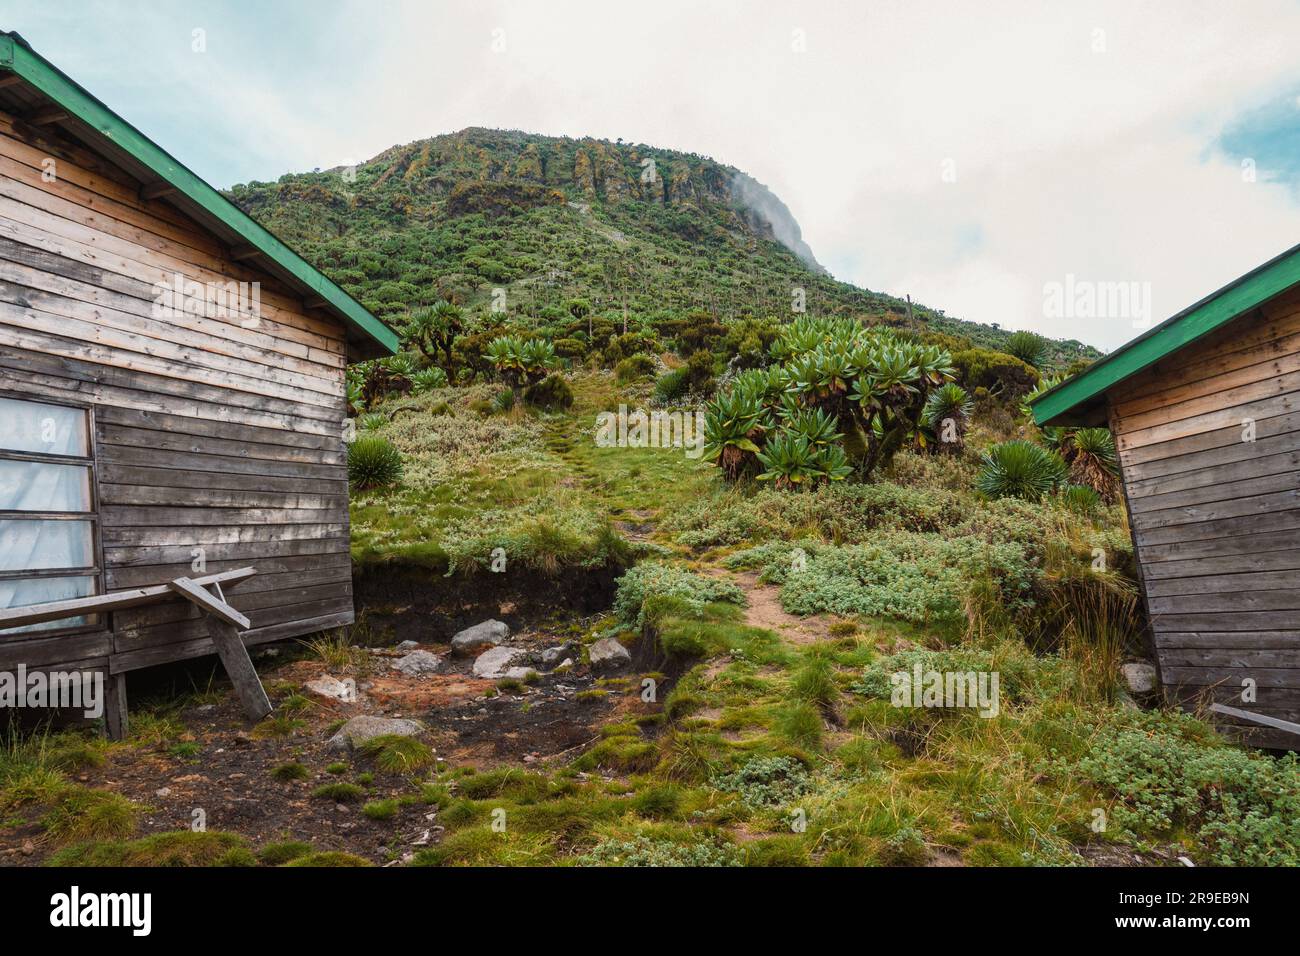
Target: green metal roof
1059	404
367	336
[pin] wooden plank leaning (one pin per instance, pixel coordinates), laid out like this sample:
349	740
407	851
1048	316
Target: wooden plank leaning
224	625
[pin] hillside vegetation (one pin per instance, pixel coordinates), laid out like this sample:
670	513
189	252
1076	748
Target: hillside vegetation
635	231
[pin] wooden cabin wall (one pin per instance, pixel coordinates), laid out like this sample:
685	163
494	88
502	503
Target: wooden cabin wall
208	434
1216	518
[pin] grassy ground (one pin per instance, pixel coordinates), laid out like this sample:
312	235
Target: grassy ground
756	725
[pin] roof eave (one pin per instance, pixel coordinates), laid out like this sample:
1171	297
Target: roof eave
1196	321
367	338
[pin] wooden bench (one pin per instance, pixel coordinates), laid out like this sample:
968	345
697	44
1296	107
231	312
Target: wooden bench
224	624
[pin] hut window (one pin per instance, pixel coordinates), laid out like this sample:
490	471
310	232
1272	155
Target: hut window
48	523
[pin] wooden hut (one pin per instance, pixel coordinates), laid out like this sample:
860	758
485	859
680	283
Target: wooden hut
1205	409
172	398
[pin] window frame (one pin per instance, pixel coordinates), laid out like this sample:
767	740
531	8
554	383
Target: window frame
97	572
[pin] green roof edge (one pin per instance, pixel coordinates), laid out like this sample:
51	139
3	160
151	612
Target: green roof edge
17	57
1241	295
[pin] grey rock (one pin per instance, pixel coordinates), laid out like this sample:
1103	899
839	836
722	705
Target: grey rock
417	662
360	729
494	663
520	673
1141	678
608	653
408	645
333	688
473	639
553	655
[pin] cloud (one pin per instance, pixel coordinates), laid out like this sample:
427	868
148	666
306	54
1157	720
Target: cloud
1101	140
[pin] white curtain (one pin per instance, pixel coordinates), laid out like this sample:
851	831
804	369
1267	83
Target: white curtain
45	545
41	486
29	591
47	429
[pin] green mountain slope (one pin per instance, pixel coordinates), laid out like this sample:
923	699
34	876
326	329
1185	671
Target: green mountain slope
541	220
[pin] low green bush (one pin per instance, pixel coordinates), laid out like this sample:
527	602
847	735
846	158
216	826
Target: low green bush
634	368
1166	772
552	393
373	462
688	590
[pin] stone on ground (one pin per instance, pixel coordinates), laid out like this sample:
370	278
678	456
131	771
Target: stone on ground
360	729
494	663
333	688
1141	678
608	653
417	662
484	634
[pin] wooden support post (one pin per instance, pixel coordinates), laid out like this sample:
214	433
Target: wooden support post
239	667
224	625
115	706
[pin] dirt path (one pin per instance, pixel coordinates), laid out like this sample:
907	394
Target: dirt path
763	609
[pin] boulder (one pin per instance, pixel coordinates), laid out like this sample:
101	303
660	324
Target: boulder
408	645
1140	677
494	663
473	639
553	655
360	729
608	653
333	688
417	662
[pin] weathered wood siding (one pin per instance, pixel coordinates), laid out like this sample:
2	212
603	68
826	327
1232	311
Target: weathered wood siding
208	433
1216	518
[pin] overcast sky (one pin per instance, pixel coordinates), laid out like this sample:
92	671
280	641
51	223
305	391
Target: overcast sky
970	154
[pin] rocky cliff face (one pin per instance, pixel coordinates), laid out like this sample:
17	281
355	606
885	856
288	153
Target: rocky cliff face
530	170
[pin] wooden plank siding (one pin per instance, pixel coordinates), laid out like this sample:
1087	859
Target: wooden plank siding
211	432
1216	518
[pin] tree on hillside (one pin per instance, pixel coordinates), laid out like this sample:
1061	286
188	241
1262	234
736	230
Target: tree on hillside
580	308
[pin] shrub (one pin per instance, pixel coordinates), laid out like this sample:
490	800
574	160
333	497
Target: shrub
633	368
277	854
1020	469
1093	461
922	578
373	462
380	810
551	393
645	851
1080	499
395	753
1003	376
549	536
1166	771
672	385
1026	346
870	383
171	849
767	781
668	582
339	792
428	379
949	403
